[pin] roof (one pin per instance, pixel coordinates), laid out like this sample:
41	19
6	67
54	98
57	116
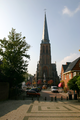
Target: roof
72	64
65	67
45	36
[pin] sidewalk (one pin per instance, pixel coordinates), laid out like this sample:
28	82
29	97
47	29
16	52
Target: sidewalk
33	109
39	110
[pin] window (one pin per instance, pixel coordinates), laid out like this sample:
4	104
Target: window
43	49
78	73
74	74
46	49
62	76
69	75
65	77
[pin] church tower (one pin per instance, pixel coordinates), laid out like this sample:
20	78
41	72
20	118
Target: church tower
44	66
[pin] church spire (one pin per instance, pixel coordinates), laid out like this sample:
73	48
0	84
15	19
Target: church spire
45	37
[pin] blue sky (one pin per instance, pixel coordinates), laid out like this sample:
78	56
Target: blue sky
63	20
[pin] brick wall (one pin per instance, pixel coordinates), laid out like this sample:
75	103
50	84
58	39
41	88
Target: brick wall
4	90
76	67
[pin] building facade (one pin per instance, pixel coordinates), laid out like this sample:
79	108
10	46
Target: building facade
45	69
70	70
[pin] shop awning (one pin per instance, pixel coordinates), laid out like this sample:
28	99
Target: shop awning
60	85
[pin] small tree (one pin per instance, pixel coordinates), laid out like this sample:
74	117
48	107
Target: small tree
72	84
12	52
78	82
62	83
39	82
28	83
50	82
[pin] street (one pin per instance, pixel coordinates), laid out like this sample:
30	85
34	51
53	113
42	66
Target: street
49	94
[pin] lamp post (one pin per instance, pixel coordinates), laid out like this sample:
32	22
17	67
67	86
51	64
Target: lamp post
44	80
54	77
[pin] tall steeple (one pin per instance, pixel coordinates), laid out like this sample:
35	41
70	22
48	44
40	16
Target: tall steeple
45	66
45	36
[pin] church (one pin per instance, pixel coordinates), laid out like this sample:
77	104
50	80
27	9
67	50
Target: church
45	69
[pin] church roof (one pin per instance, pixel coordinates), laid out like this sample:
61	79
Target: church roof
45	36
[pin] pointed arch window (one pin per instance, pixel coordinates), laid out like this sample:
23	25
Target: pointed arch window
43	49
46	49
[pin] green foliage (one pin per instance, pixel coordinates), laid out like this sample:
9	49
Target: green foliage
63	84
12	52
65	90
50	82
78	82
27	76
72	84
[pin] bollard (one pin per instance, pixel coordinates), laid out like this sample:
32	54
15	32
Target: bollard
55	98
61	98
67	97
75	96
32	97
38	98
51	98
45	98
70	96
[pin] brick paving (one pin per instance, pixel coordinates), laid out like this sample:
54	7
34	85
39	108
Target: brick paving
49	94
40	110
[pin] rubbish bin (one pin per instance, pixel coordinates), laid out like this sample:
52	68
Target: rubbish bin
75	96
70	96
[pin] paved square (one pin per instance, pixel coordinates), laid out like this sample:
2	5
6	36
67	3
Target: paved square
44	110
49	110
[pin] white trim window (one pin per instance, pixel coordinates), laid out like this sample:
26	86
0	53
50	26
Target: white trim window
62	76
78	73
65	76
74	74
69	75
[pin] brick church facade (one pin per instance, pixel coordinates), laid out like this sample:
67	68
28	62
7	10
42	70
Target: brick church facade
45	67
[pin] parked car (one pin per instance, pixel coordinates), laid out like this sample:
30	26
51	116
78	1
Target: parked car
32	93
54	89
39	88
35	89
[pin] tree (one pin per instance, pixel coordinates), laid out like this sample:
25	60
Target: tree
28	83
62	83
78	82
50	82
12	52
73	85
39	82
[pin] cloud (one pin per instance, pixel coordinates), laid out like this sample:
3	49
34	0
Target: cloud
69	12
69	58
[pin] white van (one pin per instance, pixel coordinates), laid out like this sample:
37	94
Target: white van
54	89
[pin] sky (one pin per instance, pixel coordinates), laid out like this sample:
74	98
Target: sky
27	17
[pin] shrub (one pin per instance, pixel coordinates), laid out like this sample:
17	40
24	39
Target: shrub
65	90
